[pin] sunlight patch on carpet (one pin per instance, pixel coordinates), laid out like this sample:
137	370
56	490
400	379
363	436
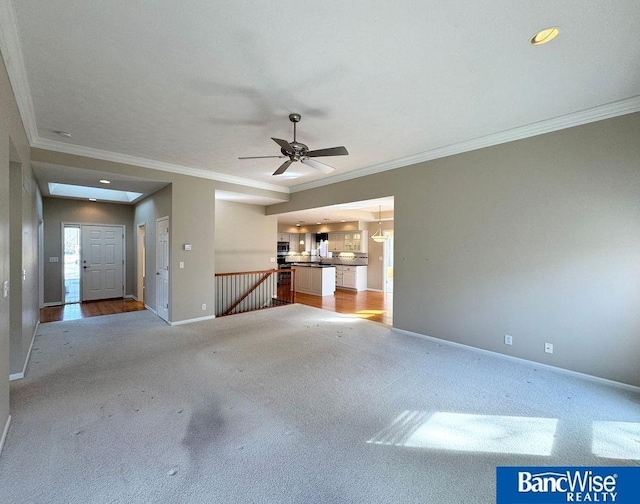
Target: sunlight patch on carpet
470	433
619	440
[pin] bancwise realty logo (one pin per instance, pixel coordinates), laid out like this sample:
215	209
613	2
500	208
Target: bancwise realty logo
550	485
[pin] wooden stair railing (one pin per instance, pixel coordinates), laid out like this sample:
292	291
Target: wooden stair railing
248	293
272	294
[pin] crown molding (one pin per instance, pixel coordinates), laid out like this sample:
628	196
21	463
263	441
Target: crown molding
13	59
599	113
65	148
14	63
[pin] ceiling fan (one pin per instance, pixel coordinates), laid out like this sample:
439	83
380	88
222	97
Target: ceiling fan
297	151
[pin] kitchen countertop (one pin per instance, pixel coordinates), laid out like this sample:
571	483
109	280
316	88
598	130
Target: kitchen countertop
309	265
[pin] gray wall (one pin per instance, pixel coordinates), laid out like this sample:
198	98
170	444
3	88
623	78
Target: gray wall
14	147
15	237
147	212
538	238
246	238
24	214
58	210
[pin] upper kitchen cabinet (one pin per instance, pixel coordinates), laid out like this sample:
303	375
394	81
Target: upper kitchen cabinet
336	242
294	242
353	241
283	237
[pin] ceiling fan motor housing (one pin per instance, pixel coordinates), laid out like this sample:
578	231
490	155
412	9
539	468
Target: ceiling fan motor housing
300	150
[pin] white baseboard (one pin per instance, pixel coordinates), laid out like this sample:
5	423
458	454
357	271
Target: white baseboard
375	290
55	303
131	296
150	309
4	433
19	376
597	379
189	321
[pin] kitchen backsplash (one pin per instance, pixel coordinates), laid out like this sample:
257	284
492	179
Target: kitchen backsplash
340	258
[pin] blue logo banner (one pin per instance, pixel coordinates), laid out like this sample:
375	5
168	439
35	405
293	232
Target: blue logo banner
551	485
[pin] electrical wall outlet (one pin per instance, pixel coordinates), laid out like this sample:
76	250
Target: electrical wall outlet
508	340
204	307
548	347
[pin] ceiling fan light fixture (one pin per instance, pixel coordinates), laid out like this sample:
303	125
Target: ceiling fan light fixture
544	36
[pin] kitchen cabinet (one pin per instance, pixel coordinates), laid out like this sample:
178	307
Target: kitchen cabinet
303	279
351	277
283	237
294	242
316	281
336	242
352	241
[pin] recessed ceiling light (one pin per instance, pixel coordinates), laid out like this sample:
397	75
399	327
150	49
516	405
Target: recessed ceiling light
544	36
63	133
92	199
318	222
343	220
105	181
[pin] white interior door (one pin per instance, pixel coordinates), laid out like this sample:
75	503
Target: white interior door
102	262
162	268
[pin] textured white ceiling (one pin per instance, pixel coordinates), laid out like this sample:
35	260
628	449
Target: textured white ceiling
196	84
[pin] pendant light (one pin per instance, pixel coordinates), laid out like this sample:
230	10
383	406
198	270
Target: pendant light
378	236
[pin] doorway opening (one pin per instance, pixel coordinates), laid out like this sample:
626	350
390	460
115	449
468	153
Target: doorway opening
71	268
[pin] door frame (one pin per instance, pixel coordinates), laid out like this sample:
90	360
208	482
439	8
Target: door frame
80	224
141	261
388	249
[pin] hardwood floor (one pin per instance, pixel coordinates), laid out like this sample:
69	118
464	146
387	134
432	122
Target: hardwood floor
89	309
375	306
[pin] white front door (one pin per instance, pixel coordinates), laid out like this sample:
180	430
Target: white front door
102	262
162	268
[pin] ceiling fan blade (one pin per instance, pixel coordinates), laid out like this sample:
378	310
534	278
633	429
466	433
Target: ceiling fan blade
285	145
260	157
324	168
333	151
283	168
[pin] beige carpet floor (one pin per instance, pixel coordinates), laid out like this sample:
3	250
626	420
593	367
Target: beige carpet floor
290	405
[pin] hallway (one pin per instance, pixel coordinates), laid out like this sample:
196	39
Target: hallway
75	311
